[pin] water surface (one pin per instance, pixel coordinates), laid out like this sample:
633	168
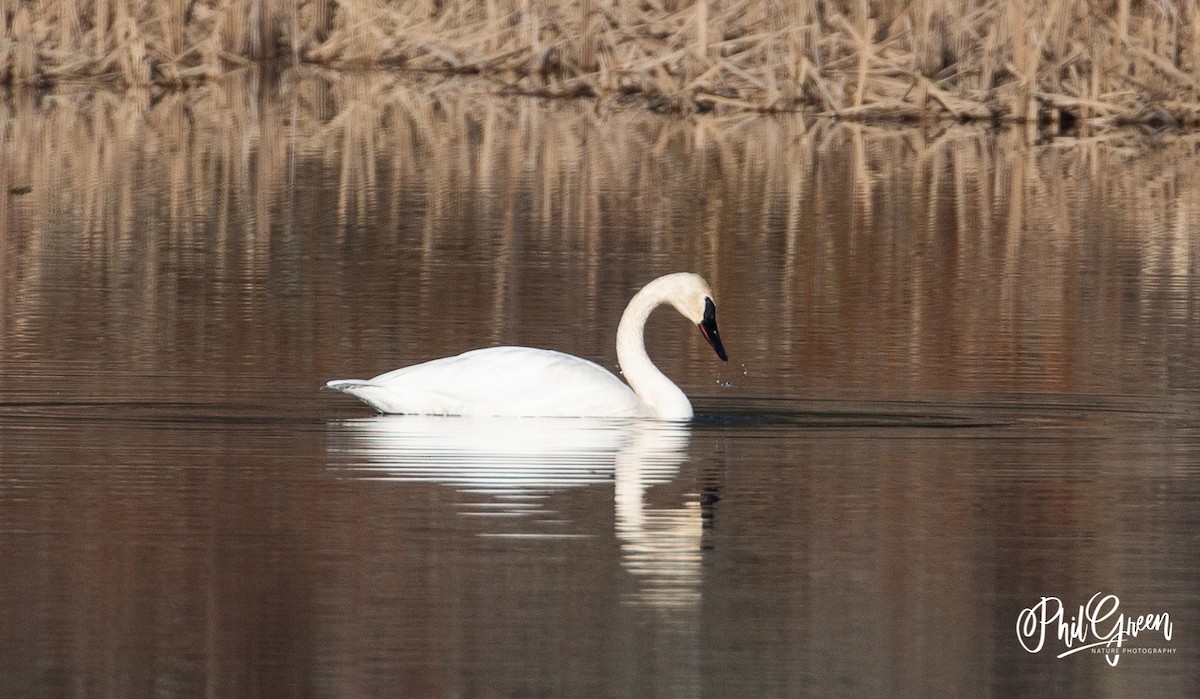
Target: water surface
962	377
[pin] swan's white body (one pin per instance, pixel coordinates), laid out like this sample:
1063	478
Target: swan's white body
528	382
513	381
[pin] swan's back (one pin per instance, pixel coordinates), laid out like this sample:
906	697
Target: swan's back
500	381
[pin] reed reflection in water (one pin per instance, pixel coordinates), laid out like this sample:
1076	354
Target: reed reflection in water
962	376
983	265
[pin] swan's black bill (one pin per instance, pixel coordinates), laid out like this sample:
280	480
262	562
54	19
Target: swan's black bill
708	328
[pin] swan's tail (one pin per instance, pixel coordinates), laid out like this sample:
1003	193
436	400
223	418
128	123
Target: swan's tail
369	393
399	400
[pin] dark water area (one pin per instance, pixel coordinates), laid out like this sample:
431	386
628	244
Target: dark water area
963	377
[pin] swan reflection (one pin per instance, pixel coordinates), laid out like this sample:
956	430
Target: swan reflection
517	463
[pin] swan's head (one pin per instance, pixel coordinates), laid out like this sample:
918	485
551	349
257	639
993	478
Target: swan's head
692	297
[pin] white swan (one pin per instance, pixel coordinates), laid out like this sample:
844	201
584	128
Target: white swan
527	382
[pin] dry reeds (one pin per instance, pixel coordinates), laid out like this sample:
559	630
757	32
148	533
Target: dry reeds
1034	61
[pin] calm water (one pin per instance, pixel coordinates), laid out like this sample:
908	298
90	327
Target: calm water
963	376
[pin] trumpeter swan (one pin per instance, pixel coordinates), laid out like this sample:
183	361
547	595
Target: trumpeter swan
528	382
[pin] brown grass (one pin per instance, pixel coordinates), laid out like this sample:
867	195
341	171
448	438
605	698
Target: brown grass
1033	61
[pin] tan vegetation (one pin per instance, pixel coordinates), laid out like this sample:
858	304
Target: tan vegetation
1021	60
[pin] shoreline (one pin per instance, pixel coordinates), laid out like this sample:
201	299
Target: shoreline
1048	65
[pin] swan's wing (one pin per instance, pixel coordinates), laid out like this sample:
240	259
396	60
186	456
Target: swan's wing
502	381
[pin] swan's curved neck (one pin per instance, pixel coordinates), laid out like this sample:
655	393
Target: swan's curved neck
664	399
